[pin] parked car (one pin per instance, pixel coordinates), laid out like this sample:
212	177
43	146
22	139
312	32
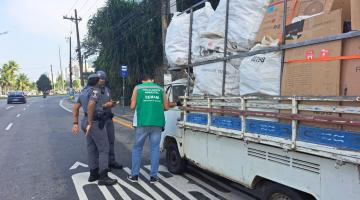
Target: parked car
16	97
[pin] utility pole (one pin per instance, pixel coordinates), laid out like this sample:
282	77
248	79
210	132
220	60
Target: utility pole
70	67
52	78
61	74
76	20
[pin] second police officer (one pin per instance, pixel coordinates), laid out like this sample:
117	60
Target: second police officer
107	104
96	137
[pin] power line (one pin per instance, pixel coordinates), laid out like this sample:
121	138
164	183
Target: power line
91	7
72	6
84	4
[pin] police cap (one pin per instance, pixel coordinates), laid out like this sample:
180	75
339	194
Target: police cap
93	76
101	74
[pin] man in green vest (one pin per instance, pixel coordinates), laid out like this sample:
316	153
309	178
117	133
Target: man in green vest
150	102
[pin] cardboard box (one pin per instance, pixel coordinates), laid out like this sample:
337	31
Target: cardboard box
350	69
355	14
272	23
313	78
311	7
350	77
339	4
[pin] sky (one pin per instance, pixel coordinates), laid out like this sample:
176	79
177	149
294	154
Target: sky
36	30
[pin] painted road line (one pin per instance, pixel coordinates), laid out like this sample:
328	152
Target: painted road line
226	195
80	180
146	186
221	184
61	105
9	107
129	187
121	122
18	115
9	127
161	186
182	185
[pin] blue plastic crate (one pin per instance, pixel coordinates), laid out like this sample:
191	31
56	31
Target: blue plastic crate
275	129
197	118
329	137
233	123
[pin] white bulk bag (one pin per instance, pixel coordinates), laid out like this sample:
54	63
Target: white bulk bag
209	78
245	17
260	74
177	38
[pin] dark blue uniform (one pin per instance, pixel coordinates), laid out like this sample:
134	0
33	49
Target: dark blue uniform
97	140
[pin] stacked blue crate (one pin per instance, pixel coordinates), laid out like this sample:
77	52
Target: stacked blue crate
329	137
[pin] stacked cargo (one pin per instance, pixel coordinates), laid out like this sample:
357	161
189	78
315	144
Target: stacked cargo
325	69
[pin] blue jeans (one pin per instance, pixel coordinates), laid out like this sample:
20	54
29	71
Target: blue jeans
154	133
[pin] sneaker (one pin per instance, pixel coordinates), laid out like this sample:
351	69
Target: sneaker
153	180
133	179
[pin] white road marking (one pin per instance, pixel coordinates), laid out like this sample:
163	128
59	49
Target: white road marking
24	109
9	107
9	127
228	196
182	185
129	187
237	193
77	164
145	186
161	186
61	105
18	115
80	180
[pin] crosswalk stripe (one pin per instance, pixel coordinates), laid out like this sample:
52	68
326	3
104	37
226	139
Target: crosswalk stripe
145	186
232	190
161	187
182	185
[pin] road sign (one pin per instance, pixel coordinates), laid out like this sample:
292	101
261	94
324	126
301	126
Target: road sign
124	71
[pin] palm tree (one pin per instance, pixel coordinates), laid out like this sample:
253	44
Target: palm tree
8	75
22	82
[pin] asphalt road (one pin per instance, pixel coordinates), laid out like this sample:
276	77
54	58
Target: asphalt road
41	159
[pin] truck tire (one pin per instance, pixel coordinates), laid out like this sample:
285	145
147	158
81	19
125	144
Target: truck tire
174	162
274	191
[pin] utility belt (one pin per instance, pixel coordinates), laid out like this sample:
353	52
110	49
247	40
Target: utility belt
102	117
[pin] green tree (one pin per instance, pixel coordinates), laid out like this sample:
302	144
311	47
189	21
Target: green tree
126	33
8	75
43	84
32	86
60	82
22	82
76	84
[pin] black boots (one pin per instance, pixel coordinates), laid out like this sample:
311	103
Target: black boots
115	165
94	175
104	179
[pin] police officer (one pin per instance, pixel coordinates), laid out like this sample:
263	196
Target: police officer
107	104
96	138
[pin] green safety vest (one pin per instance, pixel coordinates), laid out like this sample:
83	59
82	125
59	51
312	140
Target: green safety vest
150	105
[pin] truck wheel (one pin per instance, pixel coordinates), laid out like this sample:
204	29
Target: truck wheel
174	162
274	191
